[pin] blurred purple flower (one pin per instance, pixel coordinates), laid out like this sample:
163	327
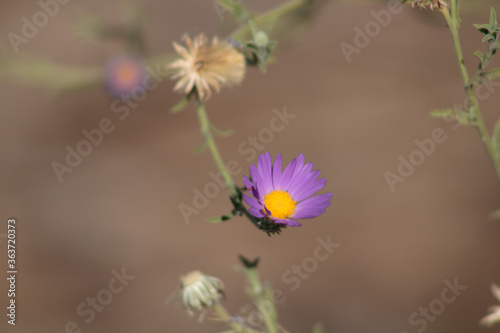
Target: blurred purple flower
123	73
285	196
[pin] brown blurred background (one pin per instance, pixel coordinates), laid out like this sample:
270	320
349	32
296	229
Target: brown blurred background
119	208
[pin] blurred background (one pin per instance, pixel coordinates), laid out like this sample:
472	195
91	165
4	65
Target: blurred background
120	206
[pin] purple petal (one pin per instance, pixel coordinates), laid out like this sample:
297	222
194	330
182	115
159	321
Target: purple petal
257	180
310	189
254	173
269	165
287	175
318	201
247	182
252	202
292	223
300	178
307	181
303	183
256	193
277	171
280	221
300	164
306	170
255	212
288	222
265	171
307	213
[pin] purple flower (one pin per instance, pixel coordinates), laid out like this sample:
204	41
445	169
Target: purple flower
285	196
124	73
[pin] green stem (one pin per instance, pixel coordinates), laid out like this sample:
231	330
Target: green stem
270	16
226	317
209	139
252	219
207	135
264	300
452	22
454	12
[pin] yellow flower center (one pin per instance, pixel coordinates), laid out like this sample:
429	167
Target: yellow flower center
280	204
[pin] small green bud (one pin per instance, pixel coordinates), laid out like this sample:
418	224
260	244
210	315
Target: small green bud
261	39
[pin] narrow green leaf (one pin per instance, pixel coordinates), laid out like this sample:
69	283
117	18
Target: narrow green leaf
480	55
318	328
180	106
495	215
492	74
220	219
219	132
444	113
493	16
214	220
463	118
487	38
201	148
483	28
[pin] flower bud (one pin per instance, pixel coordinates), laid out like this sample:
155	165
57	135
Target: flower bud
261	39
200	291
